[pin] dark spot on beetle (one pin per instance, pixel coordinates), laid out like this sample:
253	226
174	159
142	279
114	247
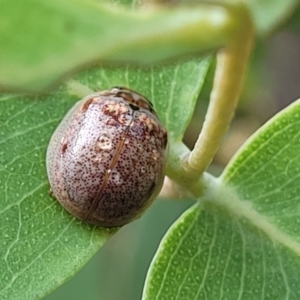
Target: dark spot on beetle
64	148
86	105
134	107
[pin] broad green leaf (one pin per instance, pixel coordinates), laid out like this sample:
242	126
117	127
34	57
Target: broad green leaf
265	173
41	41
41	245
241	241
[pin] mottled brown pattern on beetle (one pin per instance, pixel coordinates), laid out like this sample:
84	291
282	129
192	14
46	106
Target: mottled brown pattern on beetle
81	163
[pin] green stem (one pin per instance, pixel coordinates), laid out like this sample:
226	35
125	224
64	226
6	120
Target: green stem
230	72
228	82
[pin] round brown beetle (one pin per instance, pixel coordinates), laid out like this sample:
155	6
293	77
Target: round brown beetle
106	159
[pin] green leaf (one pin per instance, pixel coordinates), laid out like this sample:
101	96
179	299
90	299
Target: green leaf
41	245
41	41
241	241
269	14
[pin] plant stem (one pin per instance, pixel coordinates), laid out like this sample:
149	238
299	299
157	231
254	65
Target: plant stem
230	72
228	82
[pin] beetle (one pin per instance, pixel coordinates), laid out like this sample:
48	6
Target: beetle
106	159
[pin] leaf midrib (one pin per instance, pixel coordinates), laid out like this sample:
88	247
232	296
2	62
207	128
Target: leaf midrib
222	195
